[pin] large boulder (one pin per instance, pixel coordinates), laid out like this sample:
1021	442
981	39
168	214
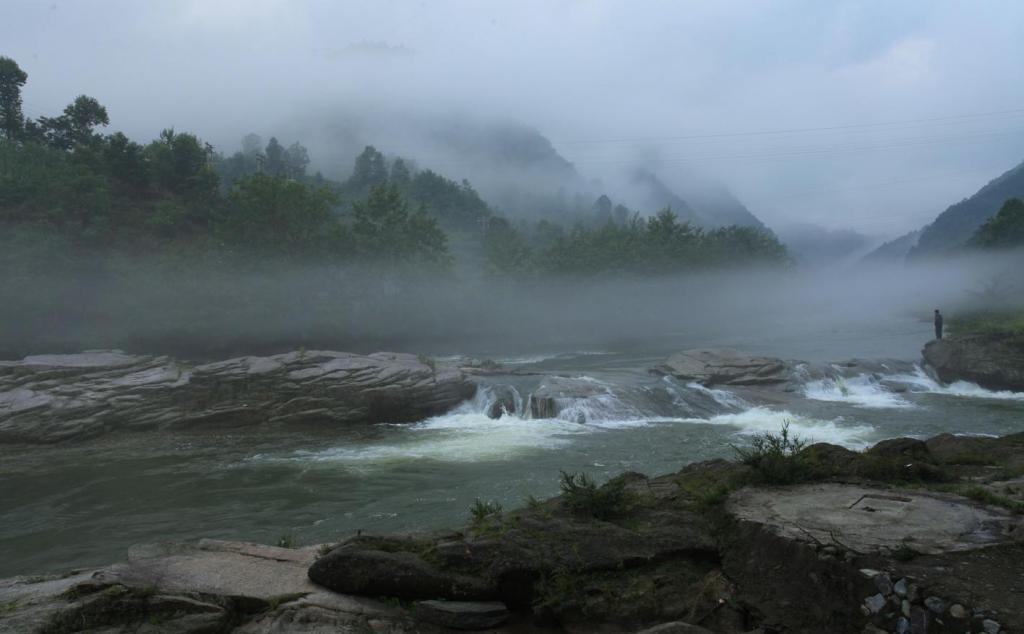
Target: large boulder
995	363
723	366
51	398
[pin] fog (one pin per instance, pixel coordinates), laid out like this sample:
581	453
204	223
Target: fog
204	313
865	116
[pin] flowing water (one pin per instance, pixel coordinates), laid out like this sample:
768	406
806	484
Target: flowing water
84	504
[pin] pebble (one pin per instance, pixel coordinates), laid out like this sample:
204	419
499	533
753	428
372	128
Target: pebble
935	604
900	587
905	608
884	583
990	626
875	603
869	573
903	625
958	611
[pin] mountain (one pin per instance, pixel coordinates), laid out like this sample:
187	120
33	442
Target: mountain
953	227
813	245
894	250
705	203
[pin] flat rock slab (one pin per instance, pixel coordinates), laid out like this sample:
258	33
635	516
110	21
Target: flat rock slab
869	519
51	398
463	615
724	366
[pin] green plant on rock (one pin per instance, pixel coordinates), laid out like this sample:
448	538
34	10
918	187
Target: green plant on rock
428	361
286	540
481	510
776	458
582	496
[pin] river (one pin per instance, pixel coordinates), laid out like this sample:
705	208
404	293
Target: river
85	503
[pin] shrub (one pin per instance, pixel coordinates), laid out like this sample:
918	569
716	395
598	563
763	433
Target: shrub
481	510
776	458
286	541
582	496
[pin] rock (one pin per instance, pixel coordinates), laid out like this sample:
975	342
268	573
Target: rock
463	615
909	449
581	399
884	584
993	362
51	398
211	586
875	603
903	625
505	402
675	627
990	626
905	607
958	611
720	366
900	587
872	520
920	620
351	569
935	604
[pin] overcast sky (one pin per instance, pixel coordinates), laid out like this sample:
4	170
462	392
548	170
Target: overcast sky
922	102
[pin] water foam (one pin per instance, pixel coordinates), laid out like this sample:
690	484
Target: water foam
924	383
758	420
860	391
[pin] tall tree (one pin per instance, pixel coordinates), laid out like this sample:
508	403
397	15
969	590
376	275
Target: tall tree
77	124
12	78
277	162
296	160
370	168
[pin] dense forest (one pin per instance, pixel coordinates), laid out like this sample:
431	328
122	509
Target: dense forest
65	187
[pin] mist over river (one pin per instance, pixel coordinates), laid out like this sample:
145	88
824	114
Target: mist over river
85	503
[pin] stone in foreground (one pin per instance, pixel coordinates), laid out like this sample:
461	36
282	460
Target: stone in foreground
870	519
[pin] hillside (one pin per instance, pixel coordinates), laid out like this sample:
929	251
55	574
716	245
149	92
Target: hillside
954	227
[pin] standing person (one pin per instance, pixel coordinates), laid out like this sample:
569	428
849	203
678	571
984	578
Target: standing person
938	324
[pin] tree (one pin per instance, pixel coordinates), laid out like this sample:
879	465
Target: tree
76	126
1003	230
181	165
602	209
275	216
400	174
370	169
12	78
252	145
506	252
277	163
296	160
384	228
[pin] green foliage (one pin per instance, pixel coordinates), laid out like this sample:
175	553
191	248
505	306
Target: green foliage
12	78
286	540
428	361
384	229
659	245
1003	230
481	510
776	458
1004	324
582	496
276	217
986	496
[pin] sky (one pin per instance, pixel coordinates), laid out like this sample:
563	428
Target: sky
873	116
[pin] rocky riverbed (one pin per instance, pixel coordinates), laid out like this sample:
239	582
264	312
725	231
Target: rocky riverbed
908	536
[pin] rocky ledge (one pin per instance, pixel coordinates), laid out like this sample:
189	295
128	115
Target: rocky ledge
51	398
908	536
993	362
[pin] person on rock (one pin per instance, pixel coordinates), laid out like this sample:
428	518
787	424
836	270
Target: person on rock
938	324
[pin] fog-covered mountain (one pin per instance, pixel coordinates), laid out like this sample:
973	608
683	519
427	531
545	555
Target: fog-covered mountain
814	245
955	226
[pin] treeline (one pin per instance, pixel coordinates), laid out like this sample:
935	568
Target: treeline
67	190
1005	230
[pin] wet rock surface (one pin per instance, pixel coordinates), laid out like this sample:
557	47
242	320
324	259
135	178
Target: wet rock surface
51	398
995	363
723	366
